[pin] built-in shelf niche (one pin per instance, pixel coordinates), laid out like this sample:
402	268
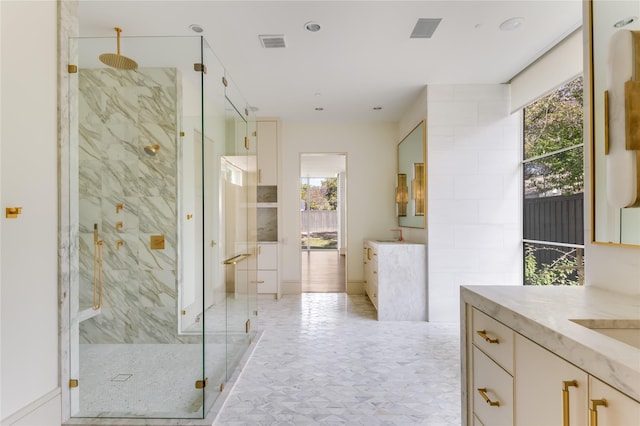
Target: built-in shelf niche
267	213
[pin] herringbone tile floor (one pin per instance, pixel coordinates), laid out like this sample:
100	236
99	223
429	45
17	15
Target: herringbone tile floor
325	360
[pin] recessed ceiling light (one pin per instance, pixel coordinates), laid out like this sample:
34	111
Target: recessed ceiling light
377	108
319	109
314	27
624	22
196	28
512	24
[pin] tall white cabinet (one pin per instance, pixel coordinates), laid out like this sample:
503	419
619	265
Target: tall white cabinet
268	215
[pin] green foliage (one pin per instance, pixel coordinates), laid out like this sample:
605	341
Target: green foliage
323	197
553	123
562	271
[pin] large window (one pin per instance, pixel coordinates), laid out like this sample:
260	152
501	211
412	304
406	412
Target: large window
553	172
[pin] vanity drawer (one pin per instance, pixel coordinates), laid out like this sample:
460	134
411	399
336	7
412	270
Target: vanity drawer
496	385
494	339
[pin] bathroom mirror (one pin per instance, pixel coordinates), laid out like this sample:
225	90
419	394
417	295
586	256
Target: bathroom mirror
411	179
610	223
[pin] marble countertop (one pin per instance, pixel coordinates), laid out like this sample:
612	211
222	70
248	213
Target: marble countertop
544	314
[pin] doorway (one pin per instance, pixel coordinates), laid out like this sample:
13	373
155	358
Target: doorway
323	206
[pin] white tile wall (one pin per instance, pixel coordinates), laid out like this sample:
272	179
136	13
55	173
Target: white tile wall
474	192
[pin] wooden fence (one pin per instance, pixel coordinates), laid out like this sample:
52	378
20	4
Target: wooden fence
319	220
557	219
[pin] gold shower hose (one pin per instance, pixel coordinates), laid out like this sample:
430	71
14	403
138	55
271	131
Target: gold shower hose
97	270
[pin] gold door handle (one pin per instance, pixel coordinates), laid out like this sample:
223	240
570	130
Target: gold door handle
483	334
593	410
565	400
483	394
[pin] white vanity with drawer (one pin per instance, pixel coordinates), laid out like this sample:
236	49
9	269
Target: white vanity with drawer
395	279
549	356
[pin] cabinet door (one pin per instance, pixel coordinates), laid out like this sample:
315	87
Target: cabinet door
539	382
373	282
267	152
267	281
268	256
620	409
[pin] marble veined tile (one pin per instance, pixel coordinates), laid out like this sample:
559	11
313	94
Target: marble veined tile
157	104
158	77
158	288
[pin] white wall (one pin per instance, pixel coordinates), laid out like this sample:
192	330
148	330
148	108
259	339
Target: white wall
474	193
28	244
370	151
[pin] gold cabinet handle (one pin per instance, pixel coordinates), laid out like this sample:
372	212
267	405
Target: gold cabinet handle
593	410
483	394
483	334
368	253
565	400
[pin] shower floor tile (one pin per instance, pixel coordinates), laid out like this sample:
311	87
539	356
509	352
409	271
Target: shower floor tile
324	359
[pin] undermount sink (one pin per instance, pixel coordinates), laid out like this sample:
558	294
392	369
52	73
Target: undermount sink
624	330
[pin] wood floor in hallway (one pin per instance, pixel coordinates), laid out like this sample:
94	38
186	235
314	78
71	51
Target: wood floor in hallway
323	271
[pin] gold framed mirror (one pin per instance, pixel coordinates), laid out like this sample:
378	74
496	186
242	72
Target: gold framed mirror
615	218
411	180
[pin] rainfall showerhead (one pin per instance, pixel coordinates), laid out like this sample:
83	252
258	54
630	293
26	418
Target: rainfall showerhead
152	149
116	60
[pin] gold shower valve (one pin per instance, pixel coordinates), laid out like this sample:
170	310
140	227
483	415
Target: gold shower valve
13	212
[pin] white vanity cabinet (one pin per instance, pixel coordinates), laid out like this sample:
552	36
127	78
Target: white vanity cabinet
509	379
548	388
492	380
267	152
267	272
371	273
395	280
619	410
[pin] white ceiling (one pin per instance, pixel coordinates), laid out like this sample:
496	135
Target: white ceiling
361	58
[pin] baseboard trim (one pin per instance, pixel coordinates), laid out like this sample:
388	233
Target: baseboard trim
291	287
355	287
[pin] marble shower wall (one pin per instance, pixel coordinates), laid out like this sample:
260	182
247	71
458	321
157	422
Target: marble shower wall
121	112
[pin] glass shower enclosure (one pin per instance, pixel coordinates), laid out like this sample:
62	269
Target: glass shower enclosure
163	229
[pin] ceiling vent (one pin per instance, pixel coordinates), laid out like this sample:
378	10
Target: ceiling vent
425	27
272	41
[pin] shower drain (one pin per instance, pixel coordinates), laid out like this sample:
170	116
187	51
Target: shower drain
121	377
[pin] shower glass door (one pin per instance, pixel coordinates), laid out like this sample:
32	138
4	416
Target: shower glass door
138	259
238	190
